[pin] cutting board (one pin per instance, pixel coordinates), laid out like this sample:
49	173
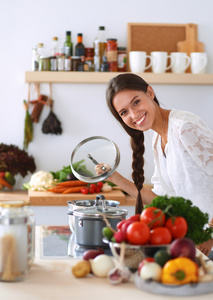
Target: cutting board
54	199
190	44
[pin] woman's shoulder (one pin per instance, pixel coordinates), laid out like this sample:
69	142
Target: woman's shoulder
184	116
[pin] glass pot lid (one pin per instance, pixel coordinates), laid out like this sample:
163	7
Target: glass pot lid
90	152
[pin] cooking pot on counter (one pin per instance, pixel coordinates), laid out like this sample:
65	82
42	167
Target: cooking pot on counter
89	223
85	203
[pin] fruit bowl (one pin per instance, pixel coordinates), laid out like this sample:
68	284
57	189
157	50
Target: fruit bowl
133	254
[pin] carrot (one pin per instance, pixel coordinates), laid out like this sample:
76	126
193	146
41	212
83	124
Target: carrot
72	183
75	189
5	183
57	190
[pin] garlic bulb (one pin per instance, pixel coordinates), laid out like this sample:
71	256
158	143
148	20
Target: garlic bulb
101	265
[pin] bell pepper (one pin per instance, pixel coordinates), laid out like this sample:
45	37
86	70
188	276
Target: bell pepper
179	270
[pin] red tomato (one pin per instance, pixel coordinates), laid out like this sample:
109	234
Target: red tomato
125	225
97	189
142	263
84	190
177	226
2	174
138	233
134	218
92	185
160	236
91	190
119	224
153	217
100	184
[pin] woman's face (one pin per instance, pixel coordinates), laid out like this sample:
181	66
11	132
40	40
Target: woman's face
137	109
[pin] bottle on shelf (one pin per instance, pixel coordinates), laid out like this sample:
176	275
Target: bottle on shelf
112	54
35	57
55	49
82	65
40	49
68	46
99	47
79	48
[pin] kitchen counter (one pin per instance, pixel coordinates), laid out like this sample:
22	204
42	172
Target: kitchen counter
51	278
53	199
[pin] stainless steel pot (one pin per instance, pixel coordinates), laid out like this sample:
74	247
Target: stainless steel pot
75	204
89	224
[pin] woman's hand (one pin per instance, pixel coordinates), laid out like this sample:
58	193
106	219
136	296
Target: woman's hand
206	247
102	168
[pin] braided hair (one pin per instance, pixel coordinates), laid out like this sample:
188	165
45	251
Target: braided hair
129	81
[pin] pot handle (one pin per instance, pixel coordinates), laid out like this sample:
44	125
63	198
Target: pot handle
70	213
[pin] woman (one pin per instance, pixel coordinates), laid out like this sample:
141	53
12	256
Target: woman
182	147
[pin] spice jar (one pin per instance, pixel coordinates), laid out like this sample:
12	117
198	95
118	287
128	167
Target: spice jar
89	58
75	61
122	56
13	241
112	54
44	63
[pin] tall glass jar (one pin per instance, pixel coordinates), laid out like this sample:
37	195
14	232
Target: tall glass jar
13	241
30	233
112	54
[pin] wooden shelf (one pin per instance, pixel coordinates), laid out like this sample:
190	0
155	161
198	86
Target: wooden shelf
99	77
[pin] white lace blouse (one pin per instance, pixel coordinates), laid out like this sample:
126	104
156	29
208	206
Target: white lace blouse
187	169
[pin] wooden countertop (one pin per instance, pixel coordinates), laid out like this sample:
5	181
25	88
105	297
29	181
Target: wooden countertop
52	199
52	279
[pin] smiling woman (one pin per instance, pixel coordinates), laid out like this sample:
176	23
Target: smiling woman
182	146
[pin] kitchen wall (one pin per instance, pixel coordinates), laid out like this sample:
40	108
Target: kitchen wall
82	108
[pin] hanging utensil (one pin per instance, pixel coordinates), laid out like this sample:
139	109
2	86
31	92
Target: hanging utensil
28	124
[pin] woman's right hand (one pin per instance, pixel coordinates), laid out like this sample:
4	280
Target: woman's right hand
102	168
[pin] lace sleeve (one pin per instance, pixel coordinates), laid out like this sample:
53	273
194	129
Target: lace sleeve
198	142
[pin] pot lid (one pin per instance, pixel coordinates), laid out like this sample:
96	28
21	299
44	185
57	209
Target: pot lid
90	152
99	212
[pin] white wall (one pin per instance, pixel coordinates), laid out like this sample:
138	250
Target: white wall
81	108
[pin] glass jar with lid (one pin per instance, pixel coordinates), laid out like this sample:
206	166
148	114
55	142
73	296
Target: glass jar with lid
13	241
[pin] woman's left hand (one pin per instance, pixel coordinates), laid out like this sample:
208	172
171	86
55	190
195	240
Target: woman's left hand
206	247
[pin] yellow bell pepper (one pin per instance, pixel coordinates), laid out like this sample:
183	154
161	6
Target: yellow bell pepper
179	270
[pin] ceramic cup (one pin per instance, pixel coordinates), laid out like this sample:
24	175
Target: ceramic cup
181	62
138	61
159	61
198	62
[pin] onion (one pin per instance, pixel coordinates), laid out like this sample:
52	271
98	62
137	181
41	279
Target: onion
92	253
101	265
183	247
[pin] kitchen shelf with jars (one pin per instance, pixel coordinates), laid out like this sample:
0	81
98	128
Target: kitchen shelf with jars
104	77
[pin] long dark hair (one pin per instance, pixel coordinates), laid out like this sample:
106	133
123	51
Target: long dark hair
129	81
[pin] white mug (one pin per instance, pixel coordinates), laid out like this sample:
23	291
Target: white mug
137	61
181	62
159	61
198	62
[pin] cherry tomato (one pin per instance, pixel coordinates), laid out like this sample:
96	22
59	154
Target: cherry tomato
2	174
143	262
91	190
153	217
177	226
134	218
100	184
160	236
97	189
84	190
93	185
138	233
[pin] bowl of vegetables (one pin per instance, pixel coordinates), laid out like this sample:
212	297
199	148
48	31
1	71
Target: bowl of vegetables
159	224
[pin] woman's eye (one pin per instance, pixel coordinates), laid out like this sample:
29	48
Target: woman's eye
122	113
136	102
